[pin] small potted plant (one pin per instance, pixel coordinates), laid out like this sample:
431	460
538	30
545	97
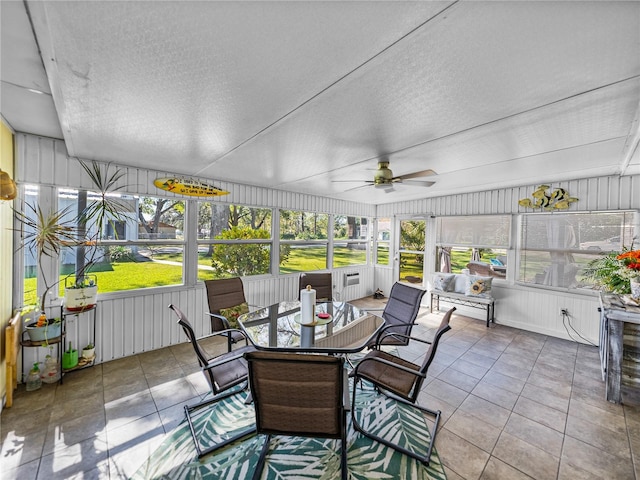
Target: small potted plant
89	351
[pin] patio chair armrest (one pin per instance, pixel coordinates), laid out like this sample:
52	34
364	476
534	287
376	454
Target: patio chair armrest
396	335
222	361
391	364
382	332
222	318
224	332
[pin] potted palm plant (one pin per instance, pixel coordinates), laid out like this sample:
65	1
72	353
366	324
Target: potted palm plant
46	234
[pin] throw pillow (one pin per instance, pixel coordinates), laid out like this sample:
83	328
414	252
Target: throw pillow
459	285
232	313
477	286
442	281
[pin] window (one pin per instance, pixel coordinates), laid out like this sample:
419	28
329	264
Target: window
233	240
349	240
303	241
30	294
479	238
382	241
142	248
555	248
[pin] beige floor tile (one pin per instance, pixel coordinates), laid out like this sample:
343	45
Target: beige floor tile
85	459
128	409
478	359
521	402
497	395
461	456
498	470
558	387
172	392
510	370
526	458
66	433
473	429
541	413
486	411
598	436
593	414
538	435
550	399
458	379
582	456
505	382
470	368
446	392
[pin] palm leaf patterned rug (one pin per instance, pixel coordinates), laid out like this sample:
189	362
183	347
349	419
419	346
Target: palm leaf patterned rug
296	457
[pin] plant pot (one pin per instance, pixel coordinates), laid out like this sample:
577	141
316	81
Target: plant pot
88	352
80	298
45	333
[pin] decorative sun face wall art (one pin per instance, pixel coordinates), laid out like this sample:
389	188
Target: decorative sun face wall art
191	188
558	199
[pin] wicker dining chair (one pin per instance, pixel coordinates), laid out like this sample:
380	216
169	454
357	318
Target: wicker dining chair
402	379
223	372
298	395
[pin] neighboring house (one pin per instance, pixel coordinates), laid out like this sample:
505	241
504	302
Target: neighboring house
164	231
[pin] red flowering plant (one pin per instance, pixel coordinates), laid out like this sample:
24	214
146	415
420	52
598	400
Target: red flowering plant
631	264
611	272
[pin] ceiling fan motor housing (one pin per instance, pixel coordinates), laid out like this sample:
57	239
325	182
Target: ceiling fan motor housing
383	176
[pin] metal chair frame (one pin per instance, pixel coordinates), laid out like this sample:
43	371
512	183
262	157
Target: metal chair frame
219	391
408	397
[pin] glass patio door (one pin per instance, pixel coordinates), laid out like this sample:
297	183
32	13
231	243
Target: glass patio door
409	259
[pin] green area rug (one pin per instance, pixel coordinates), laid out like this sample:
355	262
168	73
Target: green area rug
296	457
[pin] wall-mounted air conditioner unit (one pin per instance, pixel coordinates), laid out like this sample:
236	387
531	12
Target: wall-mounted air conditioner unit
351	279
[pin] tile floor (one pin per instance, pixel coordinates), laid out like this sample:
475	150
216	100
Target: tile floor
516	405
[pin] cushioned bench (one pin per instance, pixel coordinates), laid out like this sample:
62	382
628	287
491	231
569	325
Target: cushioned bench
462	289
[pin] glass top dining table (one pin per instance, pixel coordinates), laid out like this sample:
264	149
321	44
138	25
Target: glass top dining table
279	327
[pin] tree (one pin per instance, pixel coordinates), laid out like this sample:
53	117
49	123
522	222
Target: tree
161	210
237	260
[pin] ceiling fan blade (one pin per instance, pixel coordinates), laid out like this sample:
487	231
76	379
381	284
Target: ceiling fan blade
356	188
351	181
423	173
417	183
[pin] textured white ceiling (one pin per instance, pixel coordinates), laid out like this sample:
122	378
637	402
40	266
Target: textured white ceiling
295	95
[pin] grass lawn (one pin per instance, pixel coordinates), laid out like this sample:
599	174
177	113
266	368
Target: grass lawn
123	276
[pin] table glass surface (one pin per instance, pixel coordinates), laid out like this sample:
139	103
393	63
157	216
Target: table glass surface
278	327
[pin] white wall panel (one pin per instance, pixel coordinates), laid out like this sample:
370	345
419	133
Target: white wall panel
129	323
533	309
45	160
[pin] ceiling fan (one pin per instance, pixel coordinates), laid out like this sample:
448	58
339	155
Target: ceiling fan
383	178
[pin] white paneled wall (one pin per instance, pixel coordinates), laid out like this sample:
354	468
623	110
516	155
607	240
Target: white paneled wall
45	161
130	323
531	308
